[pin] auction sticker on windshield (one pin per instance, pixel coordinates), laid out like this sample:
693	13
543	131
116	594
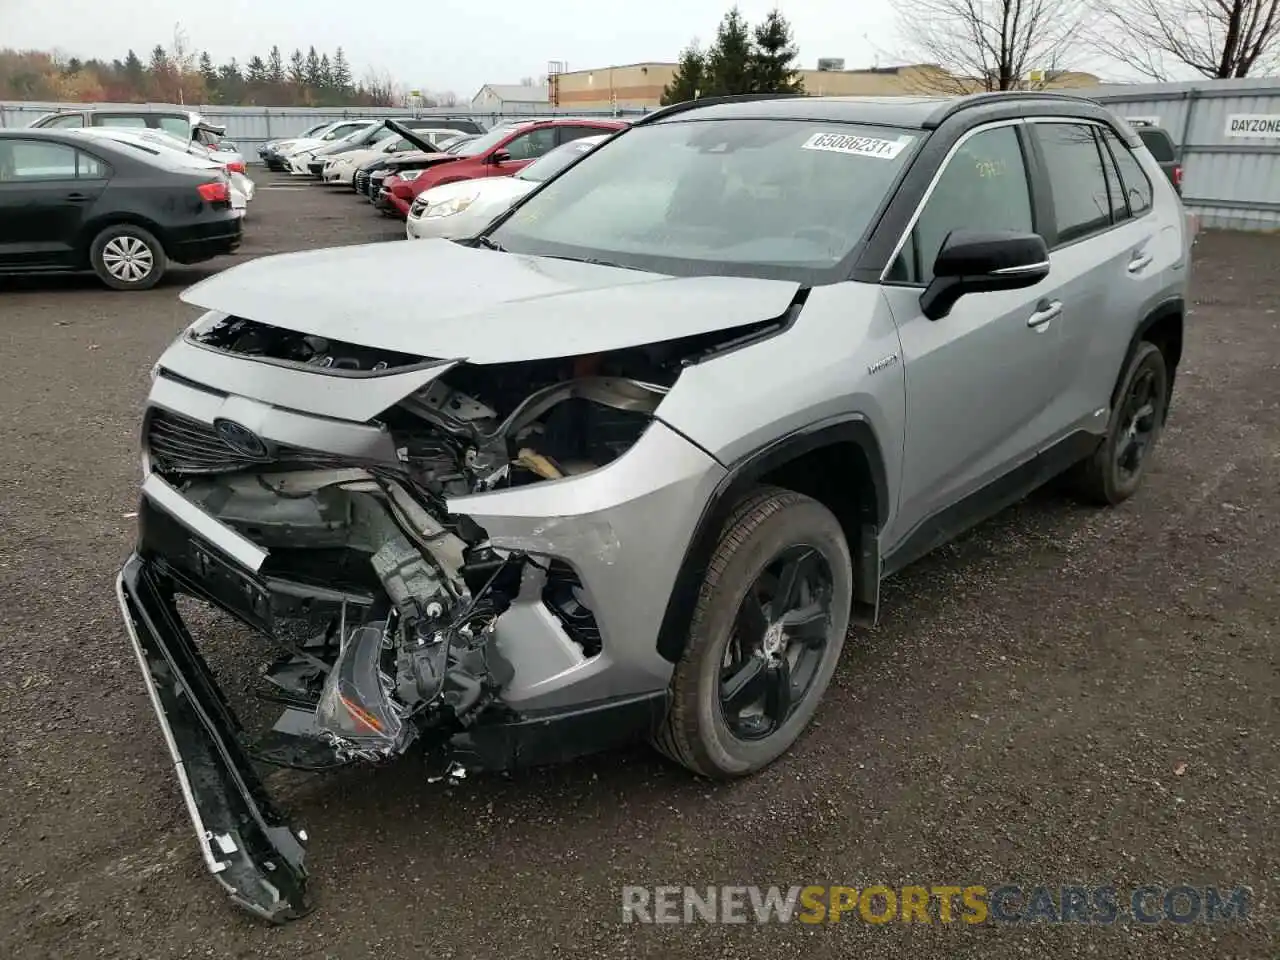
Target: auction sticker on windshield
857	146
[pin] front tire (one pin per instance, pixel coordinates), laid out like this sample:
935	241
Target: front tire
1115	471
127	257
765	636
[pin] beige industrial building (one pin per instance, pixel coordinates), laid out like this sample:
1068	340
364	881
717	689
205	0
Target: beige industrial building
637	85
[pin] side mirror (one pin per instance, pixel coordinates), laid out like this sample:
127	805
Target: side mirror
973	261
500	156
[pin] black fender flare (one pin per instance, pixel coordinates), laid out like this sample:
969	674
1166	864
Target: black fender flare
740	477
1173	307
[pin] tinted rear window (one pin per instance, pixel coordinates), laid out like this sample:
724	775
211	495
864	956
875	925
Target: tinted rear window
1159	143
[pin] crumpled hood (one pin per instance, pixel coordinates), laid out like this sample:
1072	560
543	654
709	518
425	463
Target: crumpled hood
436	298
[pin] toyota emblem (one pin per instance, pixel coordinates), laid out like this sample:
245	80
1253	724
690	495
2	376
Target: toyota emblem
242	440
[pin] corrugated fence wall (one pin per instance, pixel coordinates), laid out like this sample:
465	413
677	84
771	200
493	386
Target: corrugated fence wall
251	126
1228	132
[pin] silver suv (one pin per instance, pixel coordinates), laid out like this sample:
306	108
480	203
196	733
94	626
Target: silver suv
630	462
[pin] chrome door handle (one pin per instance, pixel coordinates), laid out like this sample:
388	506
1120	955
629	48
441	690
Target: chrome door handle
1048	311
1140	262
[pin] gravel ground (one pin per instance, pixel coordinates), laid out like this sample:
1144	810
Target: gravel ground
1065	696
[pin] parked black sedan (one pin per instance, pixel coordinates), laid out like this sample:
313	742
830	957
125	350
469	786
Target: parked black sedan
70	203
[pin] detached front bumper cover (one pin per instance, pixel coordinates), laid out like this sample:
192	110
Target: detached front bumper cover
247	845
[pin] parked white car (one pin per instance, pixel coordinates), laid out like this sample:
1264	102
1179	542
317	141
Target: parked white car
342	167
455	210
326	135
191	154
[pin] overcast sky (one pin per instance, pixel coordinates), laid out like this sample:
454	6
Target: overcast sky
464	43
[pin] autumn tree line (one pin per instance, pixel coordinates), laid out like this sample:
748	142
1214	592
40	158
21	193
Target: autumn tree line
179	75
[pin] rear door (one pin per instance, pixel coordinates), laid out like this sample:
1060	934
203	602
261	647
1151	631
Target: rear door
46	191
980	380
1102	256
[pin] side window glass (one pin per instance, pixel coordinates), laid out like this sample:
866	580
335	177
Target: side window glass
984	187
568	134
531	145
70	120
90	168
121	120
1115	189
1077	181
1137	186
31	160
178	126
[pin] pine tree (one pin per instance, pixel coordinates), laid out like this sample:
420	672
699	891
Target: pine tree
160	75
159	60
297	69
209	74
133	68
207	70
256	71
326	72
686	83
275	66
341	72
728	68
772	65
313	68
230	82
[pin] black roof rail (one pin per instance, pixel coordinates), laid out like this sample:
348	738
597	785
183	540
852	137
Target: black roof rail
663	112
957	104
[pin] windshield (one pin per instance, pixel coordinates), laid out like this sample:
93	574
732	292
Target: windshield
484	143
787	199
544	168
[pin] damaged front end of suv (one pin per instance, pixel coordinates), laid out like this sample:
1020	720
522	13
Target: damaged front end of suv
449	550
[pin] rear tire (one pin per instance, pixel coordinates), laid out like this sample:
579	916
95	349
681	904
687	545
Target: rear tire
742	635
127	257
1115	470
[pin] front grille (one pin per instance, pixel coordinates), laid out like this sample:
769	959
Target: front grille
178	444
362	182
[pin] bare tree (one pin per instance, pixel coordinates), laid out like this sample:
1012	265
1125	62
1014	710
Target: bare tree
382	89
1214	38
989	44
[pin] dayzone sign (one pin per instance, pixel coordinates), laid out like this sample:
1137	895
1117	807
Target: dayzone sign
1254	125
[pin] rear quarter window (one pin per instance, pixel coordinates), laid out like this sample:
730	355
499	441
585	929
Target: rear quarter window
1159	143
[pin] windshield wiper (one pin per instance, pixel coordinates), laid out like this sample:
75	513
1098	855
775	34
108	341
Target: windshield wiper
483	241
593	260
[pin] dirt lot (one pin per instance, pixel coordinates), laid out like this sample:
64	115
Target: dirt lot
1023	714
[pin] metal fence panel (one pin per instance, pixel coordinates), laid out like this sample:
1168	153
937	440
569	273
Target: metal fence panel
251	126
1228	132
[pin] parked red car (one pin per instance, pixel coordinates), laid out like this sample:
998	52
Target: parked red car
501	152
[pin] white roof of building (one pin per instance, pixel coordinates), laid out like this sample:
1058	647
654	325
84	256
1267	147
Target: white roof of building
516	92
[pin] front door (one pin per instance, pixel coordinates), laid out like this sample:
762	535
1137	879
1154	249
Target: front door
46	188
980	380
524	148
